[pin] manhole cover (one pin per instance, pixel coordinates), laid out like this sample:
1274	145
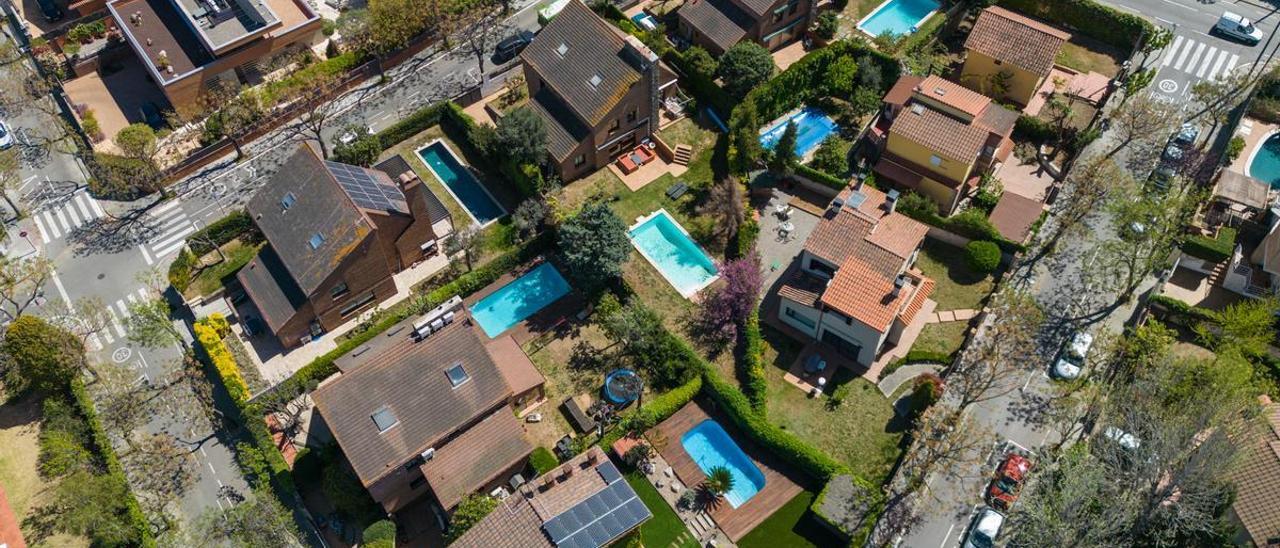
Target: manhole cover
1168	86
120	355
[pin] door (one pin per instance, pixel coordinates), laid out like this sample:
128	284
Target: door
842	345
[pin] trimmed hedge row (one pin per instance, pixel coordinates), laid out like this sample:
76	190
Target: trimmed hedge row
1105	24
1179	312
1214	250
223	230
657	409
223	362
745	239
876	505
137	519
781	443
756	384
821	177
803	80
410	125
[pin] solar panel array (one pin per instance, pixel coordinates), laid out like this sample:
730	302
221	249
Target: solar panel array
364	190
600	518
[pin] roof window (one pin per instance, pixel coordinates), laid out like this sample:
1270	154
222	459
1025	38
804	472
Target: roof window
288	201
939	91
457	375
563	49
384	419
917	108
595	80
316	240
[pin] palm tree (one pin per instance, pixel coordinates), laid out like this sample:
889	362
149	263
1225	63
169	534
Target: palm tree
719	481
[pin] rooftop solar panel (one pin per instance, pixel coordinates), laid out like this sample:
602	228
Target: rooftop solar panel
609	472
599	519
363	189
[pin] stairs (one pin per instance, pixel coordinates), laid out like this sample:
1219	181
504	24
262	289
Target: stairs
1218	271
683	154
701	524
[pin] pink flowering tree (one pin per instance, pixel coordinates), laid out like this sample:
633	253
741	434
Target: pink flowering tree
724	309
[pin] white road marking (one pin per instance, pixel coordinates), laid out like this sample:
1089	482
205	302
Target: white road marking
1222	58
1182	58
62	219
1208	59
1173	49
44	234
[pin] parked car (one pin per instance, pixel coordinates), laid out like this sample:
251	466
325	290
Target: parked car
50	10
353	132
511	46
1186	136
1071	358
150	113
1124	439
6	136
1162	176
1004	488
984	529
1238	27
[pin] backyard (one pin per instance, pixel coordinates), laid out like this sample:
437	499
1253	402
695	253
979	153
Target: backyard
1087	55
210	279
958	286
27	491
664	529
941	338
793	525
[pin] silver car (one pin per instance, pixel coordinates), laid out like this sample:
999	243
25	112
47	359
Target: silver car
984	530
6	136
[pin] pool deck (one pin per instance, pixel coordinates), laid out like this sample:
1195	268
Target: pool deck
780	481
547	319
1254	132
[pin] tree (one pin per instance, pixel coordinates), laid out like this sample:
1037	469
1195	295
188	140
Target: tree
465	242
470	511
1150	229
1086	193
169	468
94	506
783	158
826	25
1145	119
150	323
700	61
10	178
832	156
639	335
719	481
481	26
1246	327
260	520
1137	82
726	307
994	363
45	357
389	25
362	151
725	205
744	138
522	136
529	217
380	534
594	245
1217	99
316	93
137	141
1155	41
745	66
22	284
840	77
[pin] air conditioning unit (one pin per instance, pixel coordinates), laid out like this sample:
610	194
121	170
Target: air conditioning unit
429	454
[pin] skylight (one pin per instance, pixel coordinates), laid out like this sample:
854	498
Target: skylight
457	375
316	240
384	419
563	49
288	201
595	80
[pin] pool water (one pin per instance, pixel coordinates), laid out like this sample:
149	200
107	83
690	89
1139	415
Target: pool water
897	17
710	446
812	127
461	184
1265	165
670	249
514	302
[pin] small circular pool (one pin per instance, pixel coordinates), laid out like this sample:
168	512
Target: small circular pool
622	386
1265	165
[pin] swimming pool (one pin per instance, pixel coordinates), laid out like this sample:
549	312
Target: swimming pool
514	302
812	127
710	446
898	17
1265	164
666	245
464	187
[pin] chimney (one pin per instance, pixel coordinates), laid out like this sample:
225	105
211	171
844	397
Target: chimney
890	201
899	283
647	65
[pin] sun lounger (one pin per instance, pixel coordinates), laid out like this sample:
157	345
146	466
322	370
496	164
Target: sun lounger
677	190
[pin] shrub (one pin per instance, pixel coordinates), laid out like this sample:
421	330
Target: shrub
223	362
238	224
832	155
362	152
982	256
838	396
348	496
925	391
1234	148
1031	128
136	140
470	511
654	410
1214	250
757	384
43	356
411	125
101	445
380	534
745	238
181	268
328	26
820	177
826	25
543	460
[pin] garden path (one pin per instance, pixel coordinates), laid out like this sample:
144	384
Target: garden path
892	381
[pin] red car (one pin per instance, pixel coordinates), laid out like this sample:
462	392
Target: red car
1004	487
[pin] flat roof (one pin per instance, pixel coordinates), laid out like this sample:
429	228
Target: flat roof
225	23
158	30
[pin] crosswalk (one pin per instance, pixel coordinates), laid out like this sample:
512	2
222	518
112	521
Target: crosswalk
57	221
172	227
118	315
1199	59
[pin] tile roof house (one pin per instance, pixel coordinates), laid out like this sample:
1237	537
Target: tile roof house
1008	55
1257	479
336	234
188	46
938	138
598	90
717	25
430	415
856	287
584	503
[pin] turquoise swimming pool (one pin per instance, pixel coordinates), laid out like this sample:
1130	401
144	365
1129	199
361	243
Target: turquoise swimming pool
710	446
666	245
898	17
464	187
812	128
514	302
1265	165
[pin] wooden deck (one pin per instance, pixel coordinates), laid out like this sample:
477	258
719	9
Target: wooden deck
780	481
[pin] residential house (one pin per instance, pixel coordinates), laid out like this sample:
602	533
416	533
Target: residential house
939	138
435	414
857	288
1256	507
718	25
1009	55
188	46
584	503
336	234
598	90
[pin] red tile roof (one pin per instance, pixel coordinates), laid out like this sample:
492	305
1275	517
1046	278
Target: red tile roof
10	532
1016	39
1014	215
940	133
963	99
917	302
514	365
476	457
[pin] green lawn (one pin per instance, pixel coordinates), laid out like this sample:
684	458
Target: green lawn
958	286
210	279
688	132
664	529
861	433
1088	57
791	526
945	338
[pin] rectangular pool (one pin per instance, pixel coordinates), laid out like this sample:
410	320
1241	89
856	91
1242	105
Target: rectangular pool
464	187
812	127
666	245
512	303
710	446
898	17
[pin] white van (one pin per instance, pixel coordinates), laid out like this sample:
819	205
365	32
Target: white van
1238	27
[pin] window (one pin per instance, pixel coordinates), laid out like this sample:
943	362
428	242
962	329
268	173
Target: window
457	375
384	419
287	201
791	313
821	268
579	160
418	482
316	240
338	290
562	49
631	116
355	305
777	15
613	126
595	80
935	160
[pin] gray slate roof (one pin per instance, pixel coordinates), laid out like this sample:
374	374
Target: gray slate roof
719	20
409	379
575	47
272	289
394	166
564	130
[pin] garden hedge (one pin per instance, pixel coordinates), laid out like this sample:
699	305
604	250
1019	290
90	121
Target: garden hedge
874	506
657	409
223	230
1179	312
803	80
220	356
982	256
102	443
1105	24
411	125
821	177
1214	250
756	385
1031	128
745	239
380	534
703	86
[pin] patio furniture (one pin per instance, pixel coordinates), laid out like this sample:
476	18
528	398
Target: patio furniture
642	155
814	364
782	210
516	481
677	190
564	448
580	419
626	164
533	417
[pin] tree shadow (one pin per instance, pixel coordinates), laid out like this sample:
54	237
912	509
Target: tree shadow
112	235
